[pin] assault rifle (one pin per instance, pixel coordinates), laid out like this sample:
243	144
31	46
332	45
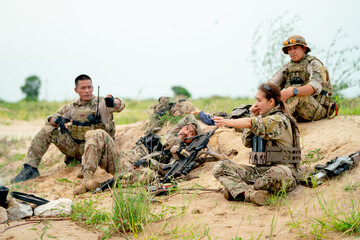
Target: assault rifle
105	185
332	168
185	164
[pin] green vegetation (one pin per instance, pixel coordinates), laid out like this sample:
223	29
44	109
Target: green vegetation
327	216
28	111
139	110
85	212
6	147
31	88
312	156
181	91
131	209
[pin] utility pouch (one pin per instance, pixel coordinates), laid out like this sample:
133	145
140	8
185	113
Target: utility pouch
257	156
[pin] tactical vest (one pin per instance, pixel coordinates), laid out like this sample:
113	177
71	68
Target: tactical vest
268	153
81	123
297	75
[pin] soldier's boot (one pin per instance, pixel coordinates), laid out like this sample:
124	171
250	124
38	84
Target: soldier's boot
229	197
85	185
259	197
28	172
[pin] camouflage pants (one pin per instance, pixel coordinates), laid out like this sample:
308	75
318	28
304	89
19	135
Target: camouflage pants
47	135
306	108
99	151
237	178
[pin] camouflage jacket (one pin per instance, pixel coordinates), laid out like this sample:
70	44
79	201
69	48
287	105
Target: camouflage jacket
68	111
314	74
273	125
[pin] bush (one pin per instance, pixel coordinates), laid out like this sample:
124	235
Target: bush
31	88
181	91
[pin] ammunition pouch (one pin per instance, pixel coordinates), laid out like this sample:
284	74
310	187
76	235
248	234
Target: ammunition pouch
78	129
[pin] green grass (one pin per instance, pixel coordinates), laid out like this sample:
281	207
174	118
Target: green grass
349	106
131	210
312	156
28	111
138	110
86	213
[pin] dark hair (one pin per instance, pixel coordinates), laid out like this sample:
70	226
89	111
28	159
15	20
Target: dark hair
81	77
270	91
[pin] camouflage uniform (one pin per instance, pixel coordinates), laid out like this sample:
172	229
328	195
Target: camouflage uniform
65	143
167	105
276	128
308	71
182	108
168	140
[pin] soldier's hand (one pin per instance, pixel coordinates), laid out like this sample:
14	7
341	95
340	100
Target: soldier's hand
220	121
255	110
109	101
61	122
287	93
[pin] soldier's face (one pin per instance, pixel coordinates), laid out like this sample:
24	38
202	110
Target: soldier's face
85	90
186	132
296	52
262	104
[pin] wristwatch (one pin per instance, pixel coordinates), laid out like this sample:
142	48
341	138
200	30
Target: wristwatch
295	91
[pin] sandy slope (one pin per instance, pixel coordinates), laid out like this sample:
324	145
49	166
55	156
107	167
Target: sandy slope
206	212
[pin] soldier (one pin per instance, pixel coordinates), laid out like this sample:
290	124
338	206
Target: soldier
274	136
305	83
89	134
168	105
143	171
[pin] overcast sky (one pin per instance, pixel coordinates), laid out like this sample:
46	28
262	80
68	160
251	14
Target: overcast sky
140	49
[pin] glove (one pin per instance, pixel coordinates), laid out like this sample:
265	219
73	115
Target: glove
60	121
206	118
109	101
141	162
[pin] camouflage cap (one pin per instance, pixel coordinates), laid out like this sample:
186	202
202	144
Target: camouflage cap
293	41
196	127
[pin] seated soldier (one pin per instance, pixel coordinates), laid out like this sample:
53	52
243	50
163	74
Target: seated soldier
274	136
77	137
124	162
305	83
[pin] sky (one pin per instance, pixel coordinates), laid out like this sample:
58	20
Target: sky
141	48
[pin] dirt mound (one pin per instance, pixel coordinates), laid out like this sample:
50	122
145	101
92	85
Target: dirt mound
206	212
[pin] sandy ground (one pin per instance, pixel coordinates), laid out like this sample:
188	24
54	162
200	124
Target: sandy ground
207	213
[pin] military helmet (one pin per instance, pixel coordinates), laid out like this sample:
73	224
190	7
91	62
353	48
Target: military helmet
293	41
